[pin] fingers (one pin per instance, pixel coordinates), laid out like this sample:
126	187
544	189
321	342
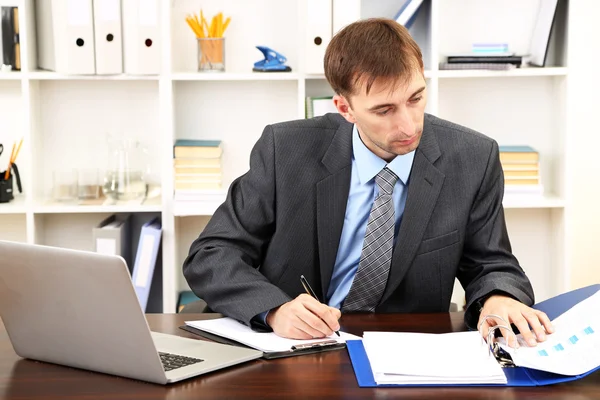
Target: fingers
304	318
327	316
545	321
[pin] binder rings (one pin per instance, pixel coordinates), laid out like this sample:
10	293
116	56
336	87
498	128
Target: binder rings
141	37
516	376
107	37
230	331
65	36
145	259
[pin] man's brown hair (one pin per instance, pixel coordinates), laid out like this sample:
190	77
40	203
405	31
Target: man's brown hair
371	49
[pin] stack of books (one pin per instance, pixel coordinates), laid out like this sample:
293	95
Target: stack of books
521	167
197	164
499	61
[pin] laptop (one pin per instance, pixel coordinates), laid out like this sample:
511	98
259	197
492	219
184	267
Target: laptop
80	309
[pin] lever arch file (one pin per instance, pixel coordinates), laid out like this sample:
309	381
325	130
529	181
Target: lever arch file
515	375
229	331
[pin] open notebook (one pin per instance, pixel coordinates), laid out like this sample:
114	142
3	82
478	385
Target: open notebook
269	343
461	358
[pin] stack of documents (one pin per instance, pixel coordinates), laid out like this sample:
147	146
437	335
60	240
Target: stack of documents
425	358
573	348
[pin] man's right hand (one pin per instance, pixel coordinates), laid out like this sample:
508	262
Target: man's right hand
304	318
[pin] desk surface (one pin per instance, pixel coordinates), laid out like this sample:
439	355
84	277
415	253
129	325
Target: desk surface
327	375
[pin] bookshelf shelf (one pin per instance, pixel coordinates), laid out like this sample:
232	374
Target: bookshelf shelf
16	206
232	76
51	76
11	76
58	208
548	71
65	119
524	201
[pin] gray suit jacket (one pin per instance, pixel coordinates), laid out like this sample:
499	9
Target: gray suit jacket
284	218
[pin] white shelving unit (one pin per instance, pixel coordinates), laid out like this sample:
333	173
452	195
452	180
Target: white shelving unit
65	119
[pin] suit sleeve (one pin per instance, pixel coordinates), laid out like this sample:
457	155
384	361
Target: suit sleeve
488	265
223	263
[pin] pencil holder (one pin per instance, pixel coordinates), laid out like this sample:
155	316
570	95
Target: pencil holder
6	185
211	54
6	188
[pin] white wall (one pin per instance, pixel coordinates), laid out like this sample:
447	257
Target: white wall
584	170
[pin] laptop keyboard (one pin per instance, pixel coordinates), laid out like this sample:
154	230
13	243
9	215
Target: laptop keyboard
174	361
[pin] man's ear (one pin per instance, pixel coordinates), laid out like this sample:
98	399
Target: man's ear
343	107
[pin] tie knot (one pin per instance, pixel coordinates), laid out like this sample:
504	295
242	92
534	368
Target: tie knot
386	180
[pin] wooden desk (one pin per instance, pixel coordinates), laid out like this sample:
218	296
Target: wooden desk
328	375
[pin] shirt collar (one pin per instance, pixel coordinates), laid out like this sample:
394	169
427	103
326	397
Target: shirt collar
369	164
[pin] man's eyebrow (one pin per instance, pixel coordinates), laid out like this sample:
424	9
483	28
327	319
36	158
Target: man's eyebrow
384	105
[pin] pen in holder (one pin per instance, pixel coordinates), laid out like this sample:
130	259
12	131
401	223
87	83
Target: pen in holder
6	185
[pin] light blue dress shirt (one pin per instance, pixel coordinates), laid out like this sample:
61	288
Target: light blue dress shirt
363	190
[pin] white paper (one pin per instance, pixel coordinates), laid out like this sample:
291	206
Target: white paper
574	347
410	358
266	342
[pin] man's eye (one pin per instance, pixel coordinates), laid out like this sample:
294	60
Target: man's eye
384	112
416	99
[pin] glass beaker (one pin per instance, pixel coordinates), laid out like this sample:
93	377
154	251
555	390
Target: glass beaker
125	178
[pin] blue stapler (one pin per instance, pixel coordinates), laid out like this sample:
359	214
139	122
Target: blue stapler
273	61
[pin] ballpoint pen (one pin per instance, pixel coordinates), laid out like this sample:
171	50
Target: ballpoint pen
311	292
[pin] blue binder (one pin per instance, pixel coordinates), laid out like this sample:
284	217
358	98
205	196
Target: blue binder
517	376
145	260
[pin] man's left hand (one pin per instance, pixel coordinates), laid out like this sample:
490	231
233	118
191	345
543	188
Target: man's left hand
515	312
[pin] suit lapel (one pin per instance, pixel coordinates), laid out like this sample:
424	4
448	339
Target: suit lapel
425	184
332	198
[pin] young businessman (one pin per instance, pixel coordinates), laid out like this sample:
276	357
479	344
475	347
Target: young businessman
380	207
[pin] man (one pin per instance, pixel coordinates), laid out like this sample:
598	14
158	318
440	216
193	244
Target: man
380	208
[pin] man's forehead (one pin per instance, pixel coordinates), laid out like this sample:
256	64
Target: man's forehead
391	85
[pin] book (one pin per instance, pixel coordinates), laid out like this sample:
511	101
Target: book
196	185
192	169
408	13
518	154
523	181
228	330
9	34
484	66
488	59
570	353
521	174
197	162
189	148
538	47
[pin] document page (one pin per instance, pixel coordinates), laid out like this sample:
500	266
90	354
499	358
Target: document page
573	348
265	342
426	358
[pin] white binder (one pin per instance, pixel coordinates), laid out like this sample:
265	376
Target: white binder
318	34
65	36
108	37
141	37
345	12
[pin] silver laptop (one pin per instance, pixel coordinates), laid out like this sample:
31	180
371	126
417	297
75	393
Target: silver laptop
80	309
